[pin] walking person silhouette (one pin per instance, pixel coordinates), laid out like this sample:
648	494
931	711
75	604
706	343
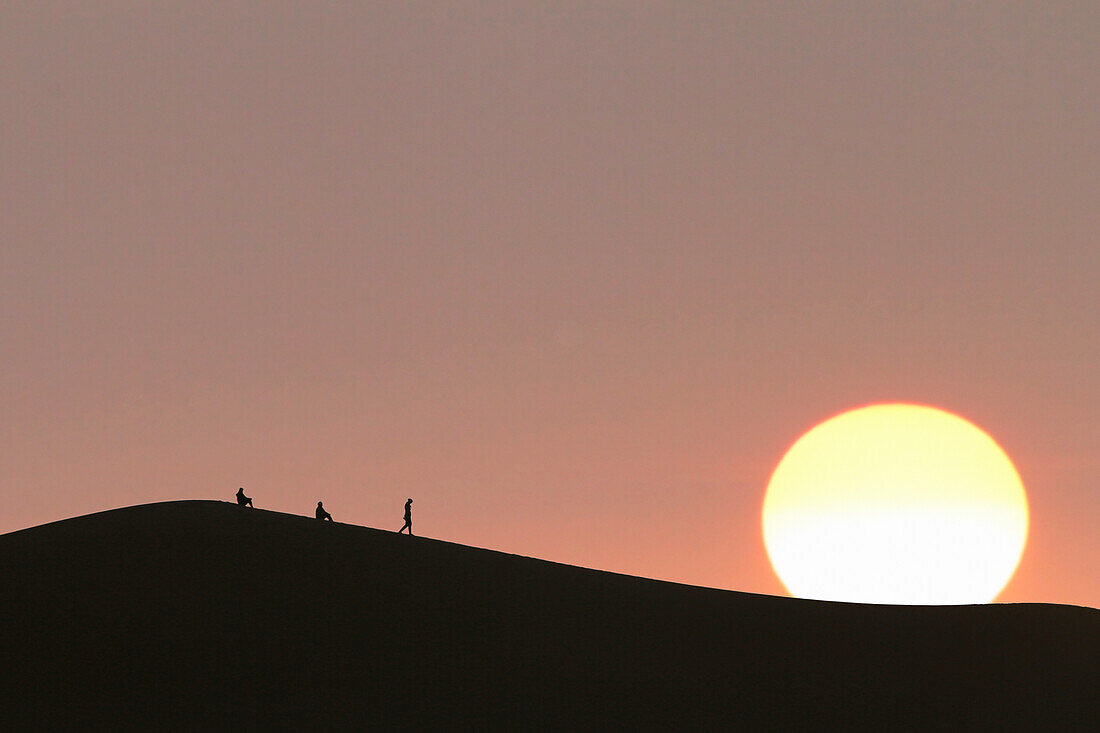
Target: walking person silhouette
322	514
243	500
408	518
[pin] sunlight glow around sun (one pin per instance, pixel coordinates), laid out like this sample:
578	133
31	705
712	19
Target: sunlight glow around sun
895	503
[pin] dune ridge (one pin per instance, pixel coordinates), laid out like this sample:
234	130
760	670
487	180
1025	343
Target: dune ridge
203	615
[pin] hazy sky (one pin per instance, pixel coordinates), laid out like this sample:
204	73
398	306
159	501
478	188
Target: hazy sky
573	275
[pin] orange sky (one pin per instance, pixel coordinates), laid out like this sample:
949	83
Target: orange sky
572	275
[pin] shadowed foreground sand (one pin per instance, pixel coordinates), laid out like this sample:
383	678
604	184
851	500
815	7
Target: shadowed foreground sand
202	615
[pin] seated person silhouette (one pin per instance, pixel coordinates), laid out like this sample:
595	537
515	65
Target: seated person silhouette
408	518
243	500
322	514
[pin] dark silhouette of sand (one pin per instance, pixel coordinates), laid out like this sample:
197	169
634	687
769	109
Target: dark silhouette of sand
196	615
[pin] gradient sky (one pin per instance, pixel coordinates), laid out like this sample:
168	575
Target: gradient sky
573	275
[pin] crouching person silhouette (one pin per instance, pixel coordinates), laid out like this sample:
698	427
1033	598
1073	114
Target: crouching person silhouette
243	500
322	514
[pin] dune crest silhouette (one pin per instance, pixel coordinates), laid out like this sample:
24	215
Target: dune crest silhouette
196	615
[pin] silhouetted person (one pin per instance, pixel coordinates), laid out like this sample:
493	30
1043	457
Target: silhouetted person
322	514
408	518
243	500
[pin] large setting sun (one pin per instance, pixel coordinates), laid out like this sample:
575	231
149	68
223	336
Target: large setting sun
895	503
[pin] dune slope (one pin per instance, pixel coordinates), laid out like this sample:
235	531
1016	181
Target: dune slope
202	615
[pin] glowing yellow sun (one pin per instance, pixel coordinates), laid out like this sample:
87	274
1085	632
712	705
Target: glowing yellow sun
895	503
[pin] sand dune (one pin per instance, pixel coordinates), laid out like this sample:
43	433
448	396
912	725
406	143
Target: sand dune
201	615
